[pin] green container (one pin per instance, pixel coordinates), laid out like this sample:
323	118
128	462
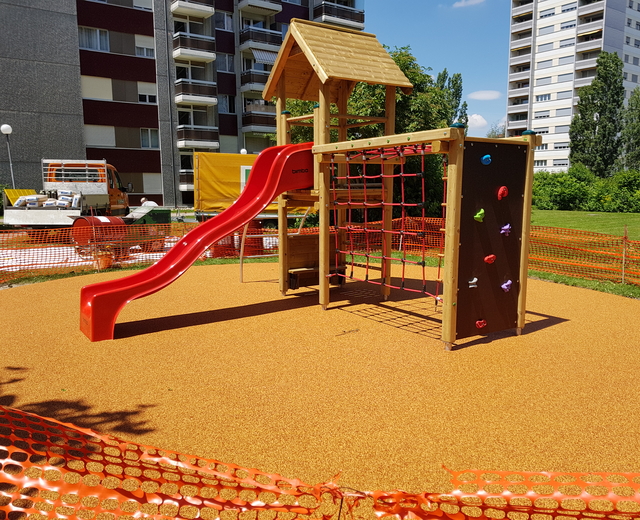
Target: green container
156	216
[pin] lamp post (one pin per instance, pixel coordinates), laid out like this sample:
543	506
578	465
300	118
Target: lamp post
6	130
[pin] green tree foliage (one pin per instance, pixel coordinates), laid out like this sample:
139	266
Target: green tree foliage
595	129
631	133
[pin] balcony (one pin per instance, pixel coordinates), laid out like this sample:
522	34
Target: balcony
199	8
328	12
517	125
263	39
522	10
518	109
582	82
522	26
520	76
253	80
520	43
259	7
186	180
192	91
588	28
259	118
592	8
520	59
194	47
589	45
586	64
518	92
192	136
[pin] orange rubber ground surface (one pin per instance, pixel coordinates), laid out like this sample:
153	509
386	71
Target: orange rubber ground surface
238	373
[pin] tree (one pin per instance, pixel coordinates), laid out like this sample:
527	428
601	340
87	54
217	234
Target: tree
498	129
631	133
596	126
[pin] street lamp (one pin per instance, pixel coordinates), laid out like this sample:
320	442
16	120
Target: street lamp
6	130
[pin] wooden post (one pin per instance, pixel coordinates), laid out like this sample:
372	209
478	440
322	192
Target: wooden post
283	137
322	123
387	185
532	141
452	238
343	169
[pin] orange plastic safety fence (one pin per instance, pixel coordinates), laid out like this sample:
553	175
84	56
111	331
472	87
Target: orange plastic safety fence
50	469
583	254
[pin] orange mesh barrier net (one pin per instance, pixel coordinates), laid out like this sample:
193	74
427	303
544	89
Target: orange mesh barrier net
53	251
50	469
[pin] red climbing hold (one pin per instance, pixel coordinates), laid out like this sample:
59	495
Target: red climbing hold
481	324
489	259
503	191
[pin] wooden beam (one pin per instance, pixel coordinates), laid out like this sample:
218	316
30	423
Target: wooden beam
342	159
426	136
387	194
322	137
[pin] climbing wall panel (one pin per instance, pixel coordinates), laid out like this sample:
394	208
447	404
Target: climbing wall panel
491	214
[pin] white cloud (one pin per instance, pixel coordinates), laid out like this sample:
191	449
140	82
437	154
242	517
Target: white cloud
465	3
485	95
477	122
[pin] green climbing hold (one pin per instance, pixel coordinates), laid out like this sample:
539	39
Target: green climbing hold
479	216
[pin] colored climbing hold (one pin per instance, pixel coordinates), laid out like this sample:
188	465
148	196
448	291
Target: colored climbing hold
506	286
479	216
505	230
489	259
503	191
481	324
473	284
486	160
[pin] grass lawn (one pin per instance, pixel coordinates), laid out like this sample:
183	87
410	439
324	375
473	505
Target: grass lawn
609	223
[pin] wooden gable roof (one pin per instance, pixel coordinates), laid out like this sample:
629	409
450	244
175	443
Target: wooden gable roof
313	54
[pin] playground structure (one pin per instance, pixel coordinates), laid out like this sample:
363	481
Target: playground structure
487	207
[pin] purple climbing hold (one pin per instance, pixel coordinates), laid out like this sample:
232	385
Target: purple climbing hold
506	286
505	230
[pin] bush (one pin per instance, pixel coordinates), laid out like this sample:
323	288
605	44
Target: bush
558	191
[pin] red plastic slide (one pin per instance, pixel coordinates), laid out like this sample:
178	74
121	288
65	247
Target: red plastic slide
276	170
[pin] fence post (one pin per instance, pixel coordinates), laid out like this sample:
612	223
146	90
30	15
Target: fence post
625	239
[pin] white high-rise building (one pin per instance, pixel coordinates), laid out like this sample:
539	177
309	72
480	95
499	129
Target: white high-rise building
554	45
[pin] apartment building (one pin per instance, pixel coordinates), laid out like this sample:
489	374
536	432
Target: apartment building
554	45
144	83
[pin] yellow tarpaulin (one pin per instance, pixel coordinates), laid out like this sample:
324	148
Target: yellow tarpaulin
218	179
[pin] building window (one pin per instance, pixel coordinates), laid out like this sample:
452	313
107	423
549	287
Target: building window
565	77
223	21
636	43
628	22
544	130
543	81
634	78
543	97
147	98
563	60
562	129
626	58
545	47
145	52
565	94
625	75
567	25
542	114
569	42
539	163
547	12
561	162
226	104
563	112
630	4
149	138
544	64
636	61
569	7
627	40
561	146
93	39
546	30
225	63
544	146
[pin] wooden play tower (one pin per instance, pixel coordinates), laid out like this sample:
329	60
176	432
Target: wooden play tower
322	64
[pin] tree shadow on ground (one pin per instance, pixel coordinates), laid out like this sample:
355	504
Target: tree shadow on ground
75	411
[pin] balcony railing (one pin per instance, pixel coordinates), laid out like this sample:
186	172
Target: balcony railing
198	133
202	8
186	176
255	34
258	119
338	11
196	88
254	76
594	7
197	42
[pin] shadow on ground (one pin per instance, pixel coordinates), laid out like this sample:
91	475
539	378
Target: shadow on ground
78	411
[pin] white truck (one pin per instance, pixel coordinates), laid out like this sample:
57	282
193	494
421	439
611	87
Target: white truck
71	188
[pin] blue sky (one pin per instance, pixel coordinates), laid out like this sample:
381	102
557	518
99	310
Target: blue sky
466	36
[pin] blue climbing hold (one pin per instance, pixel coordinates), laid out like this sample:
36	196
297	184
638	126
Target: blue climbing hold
486	160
